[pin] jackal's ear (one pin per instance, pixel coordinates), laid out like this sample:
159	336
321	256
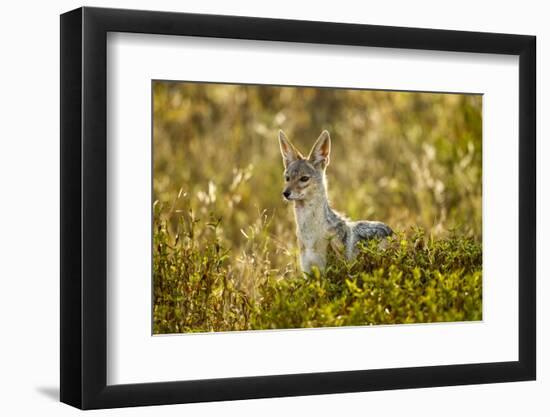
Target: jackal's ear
288	151
319	155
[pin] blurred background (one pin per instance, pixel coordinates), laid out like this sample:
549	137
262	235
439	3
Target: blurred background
405	158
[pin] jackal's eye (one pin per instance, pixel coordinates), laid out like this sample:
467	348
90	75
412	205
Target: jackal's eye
304	178
287	178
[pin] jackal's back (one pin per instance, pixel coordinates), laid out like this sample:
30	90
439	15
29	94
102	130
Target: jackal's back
364	230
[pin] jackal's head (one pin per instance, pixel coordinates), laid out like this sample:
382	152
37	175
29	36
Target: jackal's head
304	177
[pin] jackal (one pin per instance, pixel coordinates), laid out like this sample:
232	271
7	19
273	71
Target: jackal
318	226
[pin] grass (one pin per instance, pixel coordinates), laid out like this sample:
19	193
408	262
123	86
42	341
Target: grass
224	244
412	278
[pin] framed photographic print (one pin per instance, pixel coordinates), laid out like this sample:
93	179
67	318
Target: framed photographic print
258	207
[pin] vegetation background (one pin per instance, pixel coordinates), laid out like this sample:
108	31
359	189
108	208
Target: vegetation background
225	254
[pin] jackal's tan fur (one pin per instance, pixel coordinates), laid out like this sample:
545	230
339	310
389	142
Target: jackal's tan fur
317	225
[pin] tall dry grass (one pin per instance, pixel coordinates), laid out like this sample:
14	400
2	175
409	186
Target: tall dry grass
412	160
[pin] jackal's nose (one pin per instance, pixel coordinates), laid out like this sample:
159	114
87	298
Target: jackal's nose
286	193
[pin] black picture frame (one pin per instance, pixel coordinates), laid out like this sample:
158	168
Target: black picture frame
84	207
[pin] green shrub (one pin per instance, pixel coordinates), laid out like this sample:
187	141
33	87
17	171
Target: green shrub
410	278
224	247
